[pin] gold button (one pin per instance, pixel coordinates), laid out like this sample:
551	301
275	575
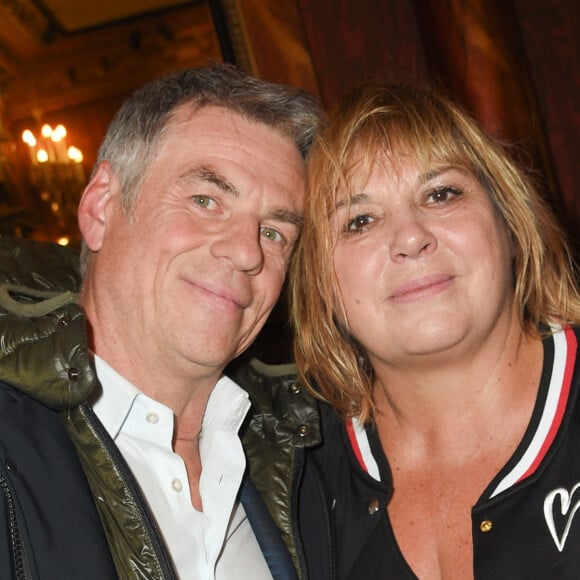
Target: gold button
303	430
373	506
485	526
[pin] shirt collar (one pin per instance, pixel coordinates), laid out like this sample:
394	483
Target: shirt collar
226	408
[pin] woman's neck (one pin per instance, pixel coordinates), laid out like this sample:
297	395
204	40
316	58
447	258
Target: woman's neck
433	406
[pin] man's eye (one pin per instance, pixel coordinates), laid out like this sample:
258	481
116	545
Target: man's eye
358	223
203	200
271	234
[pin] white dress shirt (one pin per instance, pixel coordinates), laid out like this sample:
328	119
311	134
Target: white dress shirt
217	543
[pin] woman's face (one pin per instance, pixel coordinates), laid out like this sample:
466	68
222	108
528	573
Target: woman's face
423	263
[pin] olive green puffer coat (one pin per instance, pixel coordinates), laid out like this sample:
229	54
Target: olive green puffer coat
44	353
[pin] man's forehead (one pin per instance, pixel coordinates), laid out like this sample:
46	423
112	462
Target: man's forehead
210	114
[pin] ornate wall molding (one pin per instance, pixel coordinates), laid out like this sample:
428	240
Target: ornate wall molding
104	62
23	15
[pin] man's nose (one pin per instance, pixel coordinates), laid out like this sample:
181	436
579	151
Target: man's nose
240	243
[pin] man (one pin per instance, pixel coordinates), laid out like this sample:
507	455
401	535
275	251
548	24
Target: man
188	221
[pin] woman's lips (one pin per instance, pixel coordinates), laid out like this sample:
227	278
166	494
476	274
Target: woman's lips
421	288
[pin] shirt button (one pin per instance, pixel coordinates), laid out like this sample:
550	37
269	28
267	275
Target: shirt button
373	506
485	526
176	485
152	418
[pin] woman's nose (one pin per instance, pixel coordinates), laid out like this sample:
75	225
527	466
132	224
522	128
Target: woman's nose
411	236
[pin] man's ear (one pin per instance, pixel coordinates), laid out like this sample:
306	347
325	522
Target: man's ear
92	213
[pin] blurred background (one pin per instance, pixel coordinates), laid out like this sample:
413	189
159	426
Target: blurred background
66	65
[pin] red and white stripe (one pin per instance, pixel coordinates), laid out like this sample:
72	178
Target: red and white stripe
565	346
361	447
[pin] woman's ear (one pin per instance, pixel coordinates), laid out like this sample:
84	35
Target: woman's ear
92	207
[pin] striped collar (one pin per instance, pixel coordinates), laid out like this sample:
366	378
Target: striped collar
559	358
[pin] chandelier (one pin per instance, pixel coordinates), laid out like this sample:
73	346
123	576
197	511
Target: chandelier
57	174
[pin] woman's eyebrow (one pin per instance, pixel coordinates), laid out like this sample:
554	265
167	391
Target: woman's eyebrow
434	173
351	200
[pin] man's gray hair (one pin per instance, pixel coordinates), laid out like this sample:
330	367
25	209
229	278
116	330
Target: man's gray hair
134	133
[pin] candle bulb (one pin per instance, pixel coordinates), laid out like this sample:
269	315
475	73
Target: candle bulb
46	132
30	140
76	156
57	138
42	156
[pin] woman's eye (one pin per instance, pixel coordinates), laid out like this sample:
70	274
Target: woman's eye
271	234
442	194
358	223
203	201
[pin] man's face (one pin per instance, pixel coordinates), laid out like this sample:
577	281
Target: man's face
189	278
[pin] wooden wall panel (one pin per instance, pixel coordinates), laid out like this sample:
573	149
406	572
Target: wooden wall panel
514	64
268	40
352	42
477	54
550	35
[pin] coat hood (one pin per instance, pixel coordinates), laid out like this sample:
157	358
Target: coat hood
43	346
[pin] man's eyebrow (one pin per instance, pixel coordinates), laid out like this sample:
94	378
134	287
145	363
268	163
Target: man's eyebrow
212	176
291	217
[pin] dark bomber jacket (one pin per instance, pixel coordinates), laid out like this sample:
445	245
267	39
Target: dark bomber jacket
53	498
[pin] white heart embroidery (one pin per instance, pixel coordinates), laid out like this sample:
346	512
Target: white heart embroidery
565	503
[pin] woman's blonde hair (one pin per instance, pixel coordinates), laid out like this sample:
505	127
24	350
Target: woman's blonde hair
416	122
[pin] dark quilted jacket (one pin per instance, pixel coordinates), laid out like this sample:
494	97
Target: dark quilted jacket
45	363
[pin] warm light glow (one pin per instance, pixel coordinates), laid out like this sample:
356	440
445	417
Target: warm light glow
53	151
57	176
75	154
29	138
58	134
46	131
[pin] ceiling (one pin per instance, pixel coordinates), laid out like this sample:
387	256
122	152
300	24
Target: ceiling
31	27
74	15
58	53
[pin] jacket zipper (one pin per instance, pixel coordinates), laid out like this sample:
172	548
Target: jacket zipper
329	511
331	519
161	550
296	478
19	559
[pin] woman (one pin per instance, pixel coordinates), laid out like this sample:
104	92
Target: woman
433	299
